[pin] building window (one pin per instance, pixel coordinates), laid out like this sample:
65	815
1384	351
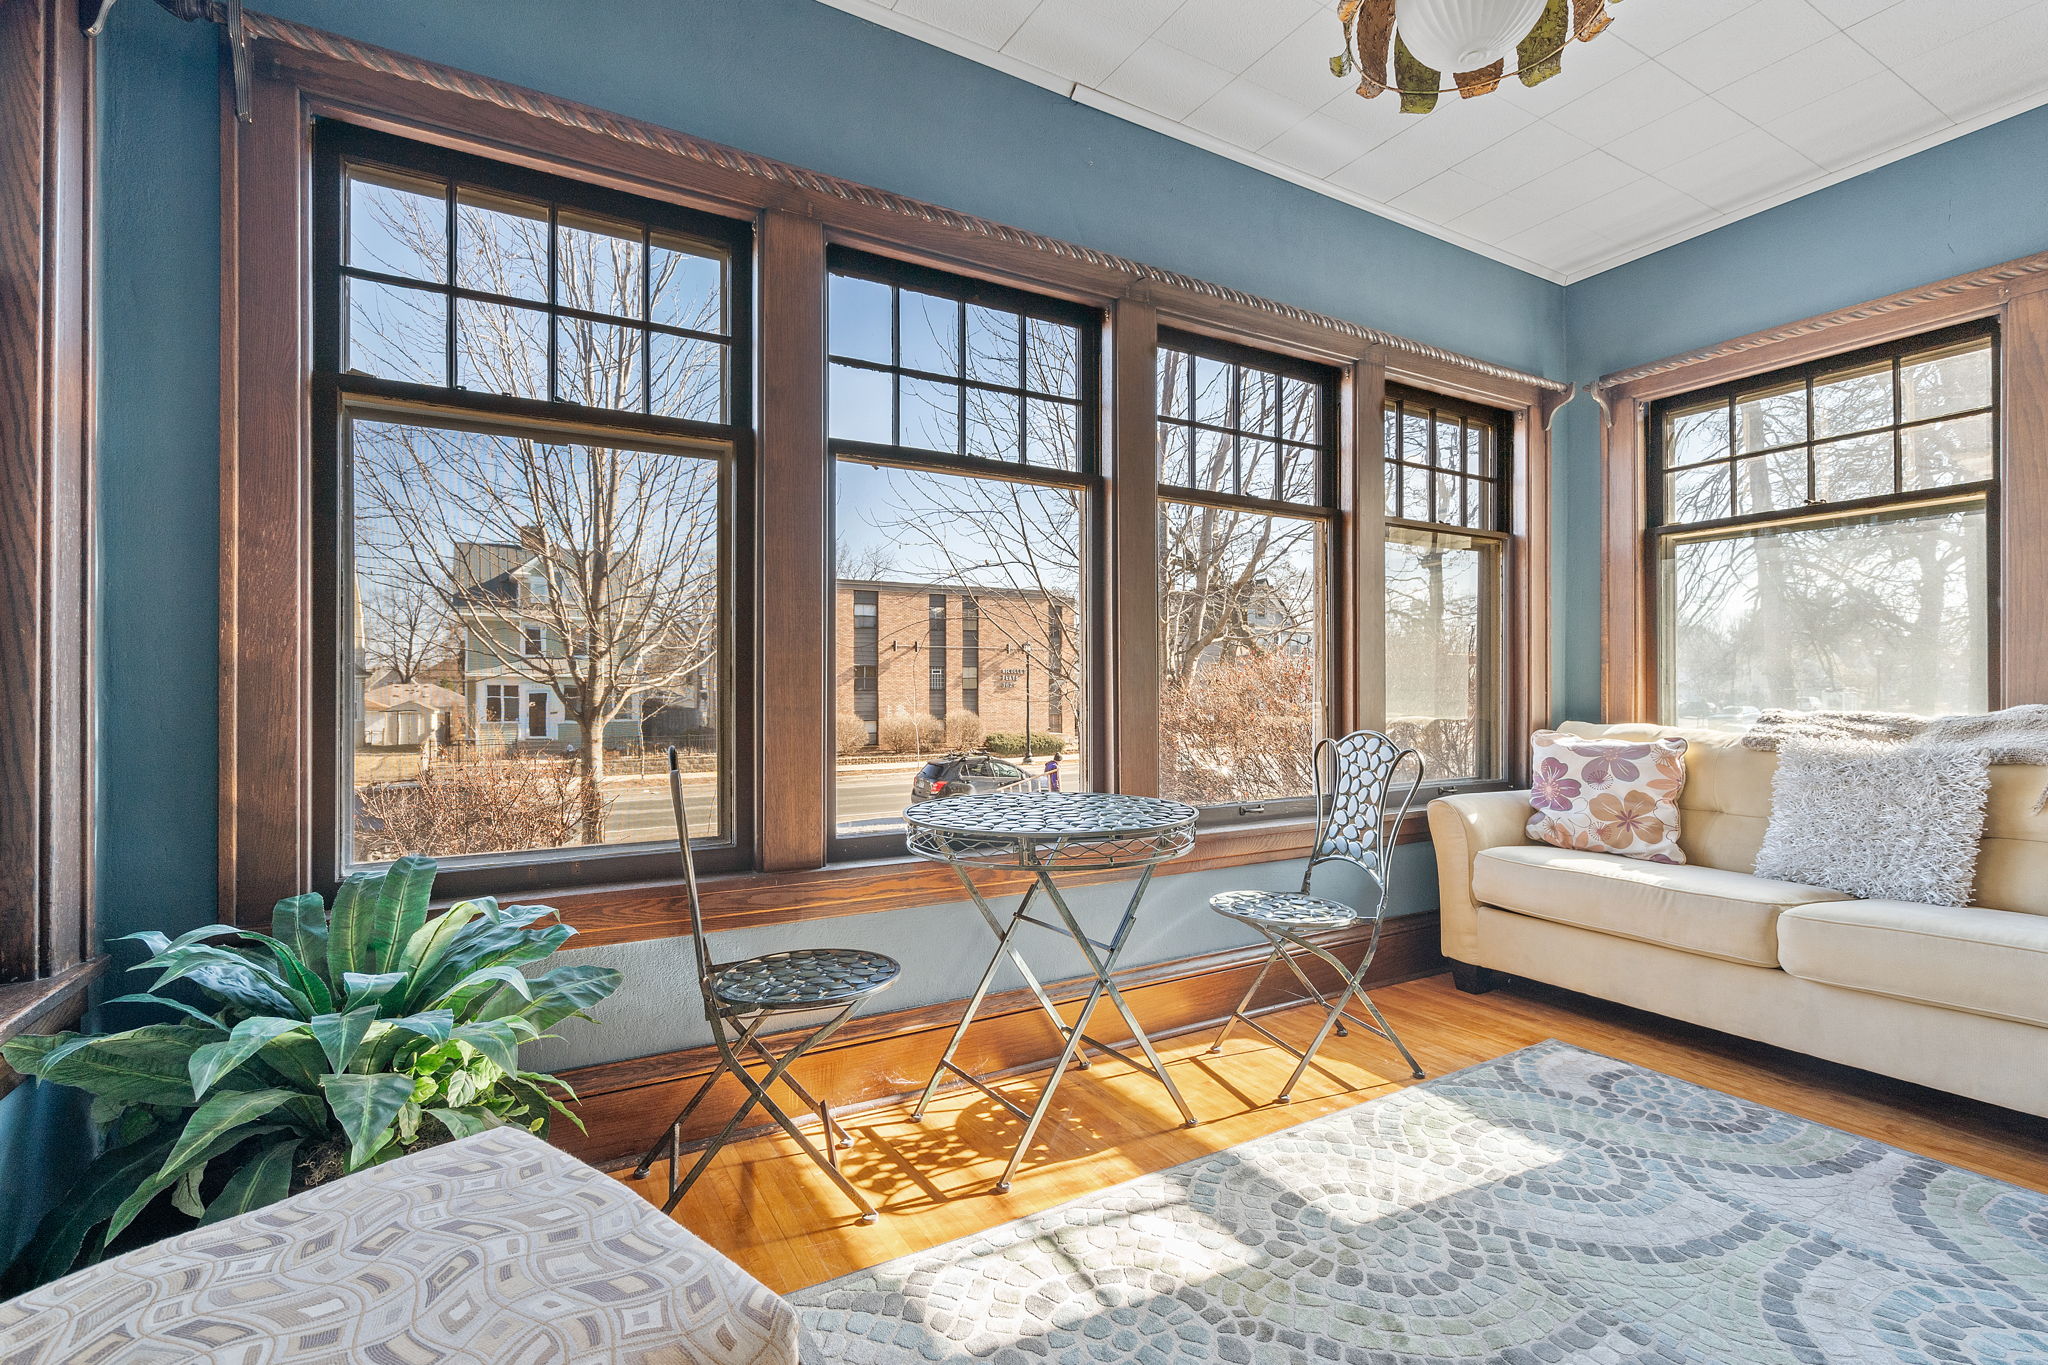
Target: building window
1445	567
528	383
1247	506
1821	535
964	457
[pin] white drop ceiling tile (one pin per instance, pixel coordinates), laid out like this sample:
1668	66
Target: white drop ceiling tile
1809	75
1298	65
1646	91
1320	144
1390	170
1503	217
1646	208
1847	12
1526	155
990	23
1836	132
1904	33
1741	172
1442	198
1165	80
1230	26
1748	42
1663	24
1996	67
1570	244
1247	115
1705	123
1071	38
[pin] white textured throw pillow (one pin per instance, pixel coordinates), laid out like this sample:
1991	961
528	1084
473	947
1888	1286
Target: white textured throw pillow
1881	821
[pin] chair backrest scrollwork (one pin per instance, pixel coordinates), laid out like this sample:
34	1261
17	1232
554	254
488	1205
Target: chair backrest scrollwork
1356	775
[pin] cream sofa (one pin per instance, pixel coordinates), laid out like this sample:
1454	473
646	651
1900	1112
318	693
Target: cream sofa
1954	999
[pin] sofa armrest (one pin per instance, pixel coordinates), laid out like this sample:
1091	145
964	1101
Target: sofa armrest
1463	827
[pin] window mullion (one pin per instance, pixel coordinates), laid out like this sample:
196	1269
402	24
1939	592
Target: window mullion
1131	548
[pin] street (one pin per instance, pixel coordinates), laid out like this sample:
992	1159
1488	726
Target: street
640	809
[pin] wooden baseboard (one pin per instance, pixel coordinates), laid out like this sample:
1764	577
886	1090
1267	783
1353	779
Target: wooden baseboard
883	1058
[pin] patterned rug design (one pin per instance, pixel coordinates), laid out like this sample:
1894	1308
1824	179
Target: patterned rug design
1550	1206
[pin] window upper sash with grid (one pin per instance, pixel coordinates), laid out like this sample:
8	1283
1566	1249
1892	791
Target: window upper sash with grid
1231	426
1443	463
1898	422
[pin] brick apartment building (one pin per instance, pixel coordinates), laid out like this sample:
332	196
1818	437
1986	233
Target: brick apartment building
928	649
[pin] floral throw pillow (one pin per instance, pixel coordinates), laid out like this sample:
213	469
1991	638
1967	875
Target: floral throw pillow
1608	795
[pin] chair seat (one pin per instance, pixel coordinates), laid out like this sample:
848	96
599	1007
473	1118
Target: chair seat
1283	910
805	978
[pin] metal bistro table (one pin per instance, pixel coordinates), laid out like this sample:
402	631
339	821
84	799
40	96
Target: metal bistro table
1046	834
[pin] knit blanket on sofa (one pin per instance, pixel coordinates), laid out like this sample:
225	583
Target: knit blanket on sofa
2018	734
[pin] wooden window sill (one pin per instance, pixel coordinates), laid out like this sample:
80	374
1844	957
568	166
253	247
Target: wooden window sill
44	1006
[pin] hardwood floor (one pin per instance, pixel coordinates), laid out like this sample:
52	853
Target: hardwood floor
767	1207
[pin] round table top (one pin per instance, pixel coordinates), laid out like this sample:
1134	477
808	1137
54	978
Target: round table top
1070	829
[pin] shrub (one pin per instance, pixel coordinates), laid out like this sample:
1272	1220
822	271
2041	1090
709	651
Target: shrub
849	733
479	805
339	1040
902	733
963	731
1011	743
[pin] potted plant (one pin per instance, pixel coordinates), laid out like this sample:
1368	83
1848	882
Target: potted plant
338	1040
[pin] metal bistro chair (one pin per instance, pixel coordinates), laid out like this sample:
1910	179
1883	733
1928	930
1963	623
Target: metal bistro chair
740	998
1352	828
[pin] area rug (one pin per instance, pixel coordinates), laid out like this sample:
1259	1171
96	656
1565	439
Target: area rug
1550	1206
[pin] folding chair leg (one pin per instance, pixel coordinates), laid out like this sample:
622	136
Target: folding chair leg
1414	1067
1272	956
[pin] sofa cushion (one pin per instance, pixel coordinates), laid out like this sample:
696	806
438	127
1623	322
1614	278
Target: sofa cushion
1695	909
1992	962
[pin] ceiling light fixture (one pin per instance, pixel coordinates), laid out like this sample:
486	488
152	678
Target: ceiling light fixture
1406	45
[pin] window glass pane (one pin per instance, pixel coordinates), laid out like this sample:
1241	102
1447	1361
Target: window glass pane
1052	433
1212	391
1955	451
502	349
1695	434
995	347
1300	473
501	245
598	364
1478	448
1774	482
1853	400
859	319
1176	448
1258	401
1481	504
1441	610
905	537
1393	472
1416	483
1241	636
1215	462
686	378
862	404
994	424
1872	613
1052	357
1301	411
1175	370
1258	463
930	332
1414	436
1701	494
464	742
930	414
1857	467
601	265
1953	379
397	224
688	286
1449	452
1770	417
397	333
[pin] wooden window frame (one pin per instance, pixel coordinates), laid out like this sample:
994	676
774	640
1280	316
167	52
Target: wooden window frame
267	778
49	950
2012	297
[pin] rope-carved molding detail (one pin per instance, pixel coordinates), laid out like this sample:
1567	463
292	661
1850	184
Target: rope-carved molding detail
583	117
1994	278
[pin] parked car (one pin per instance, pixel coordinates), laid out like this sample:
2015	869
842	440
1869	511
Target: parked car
963	775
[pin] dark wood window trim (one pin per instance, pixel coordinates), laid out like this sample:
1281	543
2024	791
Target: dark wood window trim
267	778
47	939
2012	296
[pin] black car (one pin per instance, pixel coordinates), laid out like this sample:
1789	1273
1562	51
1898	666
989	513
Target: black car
963	775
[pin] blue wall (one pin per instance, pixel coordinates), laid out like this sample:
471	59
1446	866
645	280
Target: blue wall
1966	204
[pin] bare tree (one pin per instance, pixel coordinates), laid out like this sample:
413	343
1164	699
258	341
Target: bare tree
406	627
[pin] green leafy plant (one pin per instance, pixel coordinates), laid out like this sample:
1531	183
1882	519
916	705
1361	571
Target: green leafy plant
340	1039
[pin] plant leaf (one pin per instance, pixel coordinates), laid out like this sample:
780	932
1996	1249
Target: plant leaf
185	1192
348	925
230	975
363	988
138	1198
566	991
211	1062
480	983
422	952
92	1199
302	922
261	1180
495	1039
364	1106
462	1123
435	1025
296	1057
339	1035
500	932
401	909
295	973
191	1011
217	1117
146	1065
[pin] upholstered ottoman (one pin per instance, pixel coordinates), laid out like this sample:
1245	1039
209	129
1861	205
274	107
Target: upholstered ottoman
497	1250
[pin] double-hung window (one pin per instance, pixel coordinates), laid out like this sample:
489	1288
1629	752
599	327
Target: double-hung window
1821	535
1447	514
1247	512
533	393
962	429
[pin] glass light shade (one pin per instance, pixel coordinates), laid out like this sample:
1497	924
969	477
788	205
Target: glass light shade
1464	35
